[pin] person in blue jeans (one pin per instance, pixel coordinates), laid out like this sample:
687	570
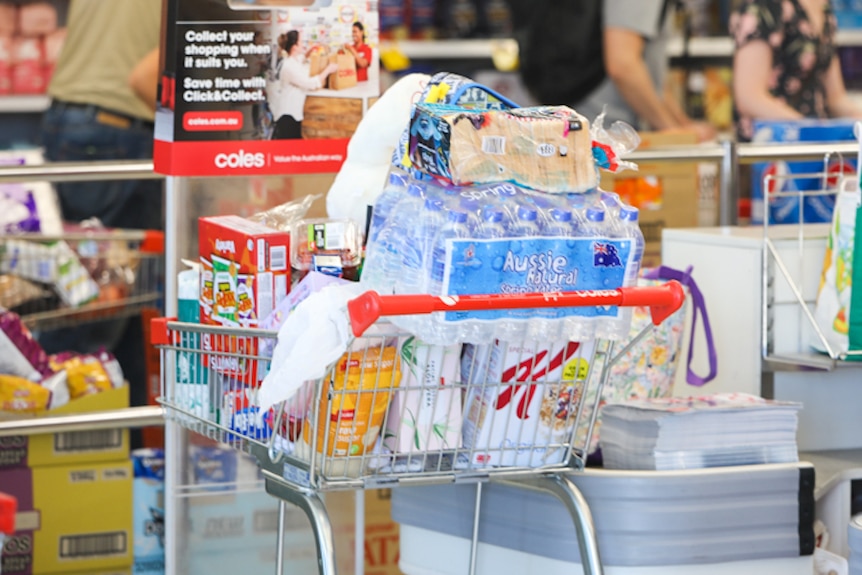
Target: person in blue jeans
95	115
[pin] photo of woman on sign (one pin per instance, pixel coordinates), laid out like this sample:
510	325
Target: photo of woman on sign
294	81
360	51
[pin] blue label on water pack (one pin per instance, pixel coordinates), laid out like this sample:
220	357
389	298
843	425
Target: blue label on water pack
531	265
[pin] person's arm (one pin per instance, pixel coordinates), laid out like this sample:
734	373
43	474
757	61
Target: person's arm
752	69
144	79
625	66
361	60
292	72
837	100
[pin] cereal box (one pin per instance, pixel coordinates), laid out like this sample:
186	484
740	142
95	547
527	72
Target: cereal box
245	270
245	273
522	401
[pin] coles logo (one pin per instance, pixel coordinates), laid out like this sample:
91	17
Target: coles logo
241	159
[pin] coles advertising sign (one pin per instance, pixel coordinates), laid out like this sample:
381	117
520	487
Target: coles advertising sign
256	87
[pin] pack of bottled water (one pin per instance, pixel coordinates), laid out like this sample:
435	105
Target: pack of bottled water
427	237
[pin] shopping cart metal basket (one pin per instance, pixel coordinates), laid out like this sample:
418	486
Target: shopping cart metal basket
88	275
383	416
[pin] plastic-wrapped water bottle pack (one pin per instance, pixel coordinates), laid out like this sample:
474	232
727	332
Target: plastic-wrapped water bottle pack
433	238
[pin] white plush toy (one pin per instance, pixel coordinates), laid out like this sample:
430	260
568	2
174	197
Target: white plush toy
369	154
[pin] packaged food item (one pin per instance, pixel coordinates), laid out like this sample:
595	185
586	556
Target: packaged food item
148	496
89	374
240	413
8	18
21	395
214	466
37	19
233	248
28	208
17	293
54	263
192	389
331	247
425	412
352	410
283	217
27	57
522	400
546	148
20	354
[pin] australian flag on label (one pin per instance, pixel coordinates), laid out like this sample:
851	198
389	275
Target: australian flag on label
606	256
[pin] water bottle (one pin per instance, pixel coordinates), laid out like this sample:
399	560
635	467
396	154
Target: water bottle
525	225
618	328
392	193
492	224
405	220
631	229
456	227
547	326
418	243
595	222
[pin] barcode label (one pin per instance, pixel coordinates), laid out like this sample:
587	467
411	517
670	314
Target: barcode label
94	545
97	440
265	300
494	145
278	258
334	236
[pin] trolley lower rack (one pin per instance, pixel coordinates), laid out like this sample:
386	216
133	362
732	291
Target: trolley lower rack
393	411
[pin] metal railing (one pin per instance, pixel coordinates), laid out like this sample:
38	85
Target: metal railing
129	418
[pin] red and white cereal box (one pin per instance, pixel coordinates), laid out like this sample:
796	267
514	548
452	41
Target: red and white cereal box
522	401
5	65
250	270
37	19
245	275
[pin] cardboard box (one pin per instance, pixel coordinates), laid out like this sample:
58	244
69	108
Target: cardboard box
148	496
245	270
381	533
666	193
814	209
70	448
527	419
70	518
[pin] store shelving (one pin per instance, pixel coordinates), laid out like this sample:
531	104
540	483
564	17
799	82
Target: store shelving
713	47
24	104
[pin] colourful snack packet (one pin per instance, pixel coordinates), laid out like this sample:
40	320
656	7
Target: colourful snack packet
21	395
352	411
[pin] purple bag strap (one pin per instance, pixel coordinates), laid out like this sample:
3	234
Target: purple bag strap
699	305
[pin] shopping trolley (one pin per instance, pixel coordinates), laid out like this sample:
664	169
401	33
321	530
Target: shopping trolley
384	417
55	281
8	507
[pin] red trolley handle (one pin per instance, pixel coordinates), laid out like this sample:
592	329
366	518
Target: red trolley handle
663	301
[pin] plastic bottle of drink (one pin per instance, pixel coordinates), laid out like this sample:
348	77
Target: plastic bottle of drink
546	325
491	227
525	225
631	229
455	227
619	328
418	243
405	220
386	201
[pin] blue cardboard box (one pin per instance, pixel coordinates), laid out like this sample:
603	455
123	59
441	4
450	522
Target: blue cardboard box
149	512
787	209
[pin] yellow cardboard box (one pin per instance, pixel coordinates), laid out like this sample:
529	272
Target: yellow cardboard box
75	518
666	193
381	532
69	448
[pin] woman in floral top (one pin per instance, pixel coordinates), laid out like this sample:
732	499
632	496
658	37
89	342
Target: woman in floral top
785	67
